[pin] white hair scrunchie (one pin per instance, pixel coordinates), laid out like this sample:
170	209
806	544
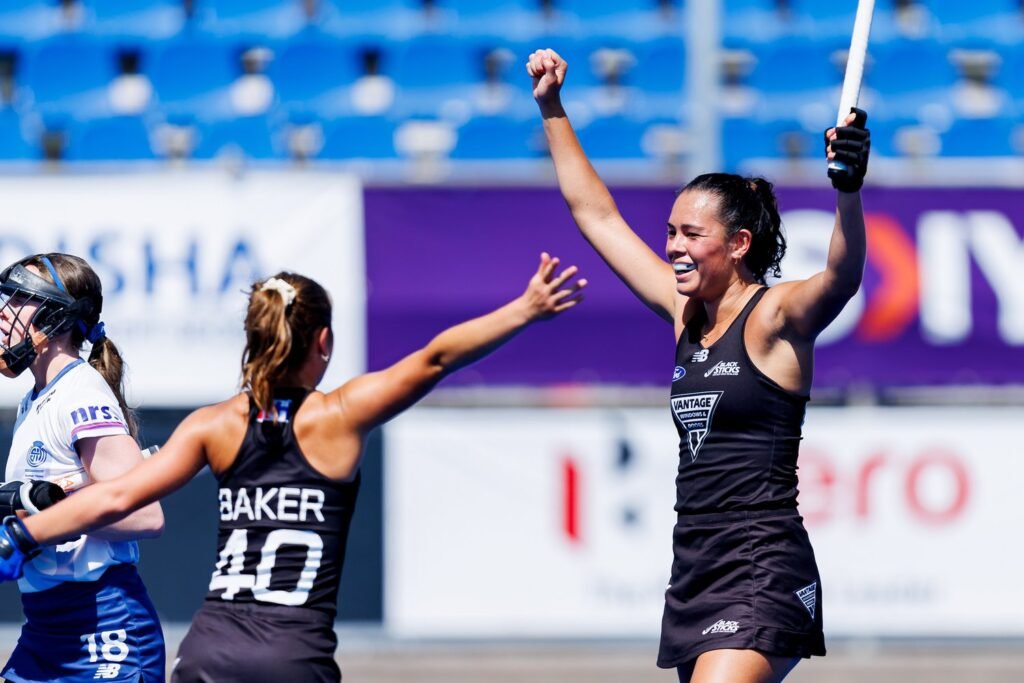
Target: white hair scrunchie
280	286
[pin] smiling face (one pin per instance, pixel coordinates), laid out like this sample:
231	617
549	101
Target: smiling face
706	260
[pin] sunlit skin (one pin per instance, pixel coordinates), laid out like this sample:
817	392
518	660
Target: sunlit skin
696	236
330	428
780	332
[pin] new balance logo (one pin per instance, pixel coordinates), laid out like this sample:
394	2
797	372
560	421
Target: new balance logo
108	671
700	356
694	413
809	596
730	368
721	626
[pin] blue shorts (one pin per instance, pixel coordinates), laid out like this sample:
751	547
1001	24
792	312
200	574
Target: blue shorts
104	630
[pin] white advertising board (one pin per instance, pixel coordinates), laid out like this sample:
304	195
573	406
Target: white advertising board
176	252
529	522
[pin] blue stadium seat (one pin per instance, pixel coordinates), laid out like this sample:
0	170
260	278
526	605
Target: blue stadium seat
498	18
599	9
14	145
961	11
149	19
885	133
637	19
746	138
432	70
190	77
614	137
436	61
498	137
980	138
1009	75
311	75
795	65
900	67
69	76
823	10
122	138
259	19
399	18
578	54
661	66
358	137
494	8
733	7
27	20
358	7
249	136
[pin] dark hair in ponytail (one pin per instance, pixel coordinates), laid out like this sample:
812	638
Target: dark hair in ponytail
748	203
279	334
82	282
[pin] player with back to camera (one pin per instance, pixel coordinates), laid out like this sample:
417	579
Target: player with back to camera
744	601
286	458
87	614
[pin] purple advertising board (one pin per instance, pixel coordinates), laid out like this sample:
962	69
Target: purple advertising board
942	301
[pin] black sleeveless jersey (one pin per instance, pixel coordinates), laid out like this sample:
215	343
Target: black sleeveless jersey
283	525
739	431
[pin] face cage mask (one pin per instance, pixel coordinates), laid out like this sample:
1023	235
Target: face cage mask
57	311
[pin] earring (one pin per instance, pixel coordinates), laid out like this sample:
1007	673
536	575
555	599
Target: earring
325	356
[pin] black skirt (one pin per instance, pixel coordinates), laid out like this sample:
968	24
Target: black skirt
251	643
742	580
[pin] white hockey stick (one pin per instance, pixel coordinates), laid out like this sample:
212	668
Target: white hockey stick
854	68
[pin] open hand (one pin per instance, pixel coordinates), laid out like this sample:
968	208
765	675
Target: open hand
547	69
548	293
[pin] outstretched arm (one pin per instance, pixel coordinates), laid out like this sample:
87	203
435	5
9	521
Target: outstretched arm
105	502
644	272
109	457
374	398
810	305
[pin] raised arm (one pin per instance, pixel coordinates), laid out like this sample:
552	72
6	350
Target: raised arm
374	398
810	305
644	272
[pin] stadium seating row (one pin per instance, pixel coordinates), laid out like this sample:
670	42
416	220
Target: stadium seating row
262	138
168	78
762	19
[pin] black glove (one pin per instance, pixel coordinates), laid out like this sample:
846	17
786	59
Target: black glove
851	146
31	496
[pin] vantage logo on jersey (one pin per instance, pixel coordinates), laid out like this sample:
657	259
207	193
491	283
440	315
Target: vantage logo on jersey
729	368
37	454
694	412
809	596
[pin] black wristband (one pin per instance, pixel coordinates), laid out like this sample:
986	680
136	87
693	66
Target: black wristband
23	540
